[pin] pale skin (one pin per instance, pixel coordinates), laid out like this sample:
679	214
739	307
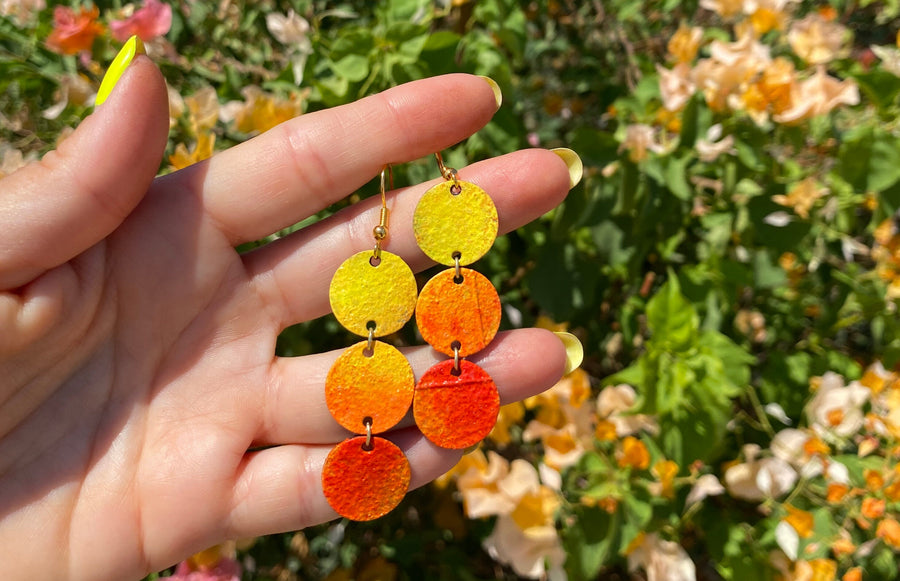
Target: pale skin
137	352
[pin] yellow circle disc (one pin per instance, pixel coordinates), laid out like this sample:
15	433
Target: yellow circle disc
365	291
455	217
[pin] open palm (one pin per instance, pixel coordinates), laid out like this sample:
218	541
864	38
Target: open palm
137	362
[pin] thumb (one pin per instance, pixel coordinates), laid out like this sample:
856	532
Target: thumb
55	209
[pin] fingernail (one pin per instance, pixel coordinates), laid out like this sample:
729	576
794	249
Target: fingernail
130	49
574	350
498	95
573	162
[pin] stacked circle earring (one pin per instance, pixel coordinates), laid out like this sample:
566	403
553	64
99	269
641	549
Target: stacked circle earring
370	387
458	312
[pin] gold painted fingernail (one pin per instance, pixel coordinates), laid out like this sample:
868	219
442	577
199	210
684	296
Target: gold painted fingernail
574	350
573	162
130	49
498	95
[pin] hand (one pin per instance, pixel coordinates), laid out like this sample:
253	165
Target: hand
137	347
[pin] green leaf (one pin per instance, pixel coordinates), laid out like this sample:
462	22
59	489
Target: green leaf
589	542
672	318
352	67
676	180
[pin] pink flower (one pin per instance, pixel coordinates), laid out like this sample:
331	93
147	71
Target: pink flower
151	20
225	569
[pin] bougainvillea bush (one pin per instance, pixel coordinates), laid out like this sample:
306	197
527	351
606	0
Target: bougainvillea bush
731	262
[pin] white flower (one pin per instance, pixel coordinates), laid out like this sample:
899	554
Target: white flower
712	146
706	485
836	409
527	550
788	540
614	403
890	58
756	480
675	86
288	29
662	560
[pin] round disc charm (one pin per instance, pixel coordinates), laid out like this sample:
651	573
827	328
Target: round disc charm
467	312
365	291
455	217
378	386
365	484
456	411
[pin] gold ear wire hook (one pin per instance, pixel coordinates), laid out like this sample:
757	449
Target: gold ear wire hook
448	173
380	232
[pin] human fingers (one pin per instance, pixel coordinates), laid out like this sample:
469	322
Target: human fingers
524	185
301	166
522	363
53	210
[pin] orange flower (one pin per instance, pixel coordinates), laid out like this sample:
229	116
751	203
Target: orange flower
801	520
836	492
666	470
684	43
873	507
852	574
889	531
633	454
823	570
73	31
609	504
605	431
842	547
874	480
893	491
814	446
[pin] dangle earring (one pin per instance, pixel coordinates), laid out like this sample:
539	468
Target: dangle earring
370	387
458	312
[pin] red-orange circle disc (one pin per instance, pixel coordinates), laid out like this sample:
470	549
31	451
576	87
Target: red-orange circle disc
379	386
456	411
468	312
365	484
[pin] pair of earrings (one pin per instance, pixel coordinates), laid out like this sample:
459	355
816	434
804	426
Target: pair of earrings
371	386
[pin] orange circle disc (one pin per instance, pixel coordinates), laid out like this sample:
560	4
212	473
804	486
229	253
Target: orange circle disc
365	484
456	411
468	312
379	386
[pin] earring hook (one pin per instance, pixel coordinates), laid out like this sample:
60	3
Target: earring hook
448	173
380	231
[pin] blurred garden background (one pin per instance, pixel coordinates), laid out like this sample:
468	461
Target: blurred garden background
730	260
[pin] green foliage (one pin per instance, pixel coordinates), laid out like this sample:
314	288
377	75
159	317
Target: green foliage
687	377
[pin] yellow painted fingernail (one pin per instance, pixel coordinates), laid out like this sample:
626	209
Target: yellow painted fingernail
131	49
498	95
573	162
574	350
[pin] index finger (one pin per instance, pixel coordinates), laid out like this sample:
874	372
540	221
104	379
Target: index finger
304	165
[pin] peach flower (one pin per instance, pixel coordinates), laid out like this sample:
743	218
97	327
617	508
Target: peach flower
151	20
73	31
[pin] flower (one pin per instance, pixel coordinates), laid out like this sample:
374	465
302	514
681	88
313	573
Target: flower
288	29
706	485
665	471
684	43
151	20
890	58
802	521
21	11
213	564
815	39
203	149
661	560
675	86
709	149
510	415
261	111
836	409
818	95
802	196
633	454
768	477
639	139
889	531
203	110
74	89
614	404
73	31
725	8
527	550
